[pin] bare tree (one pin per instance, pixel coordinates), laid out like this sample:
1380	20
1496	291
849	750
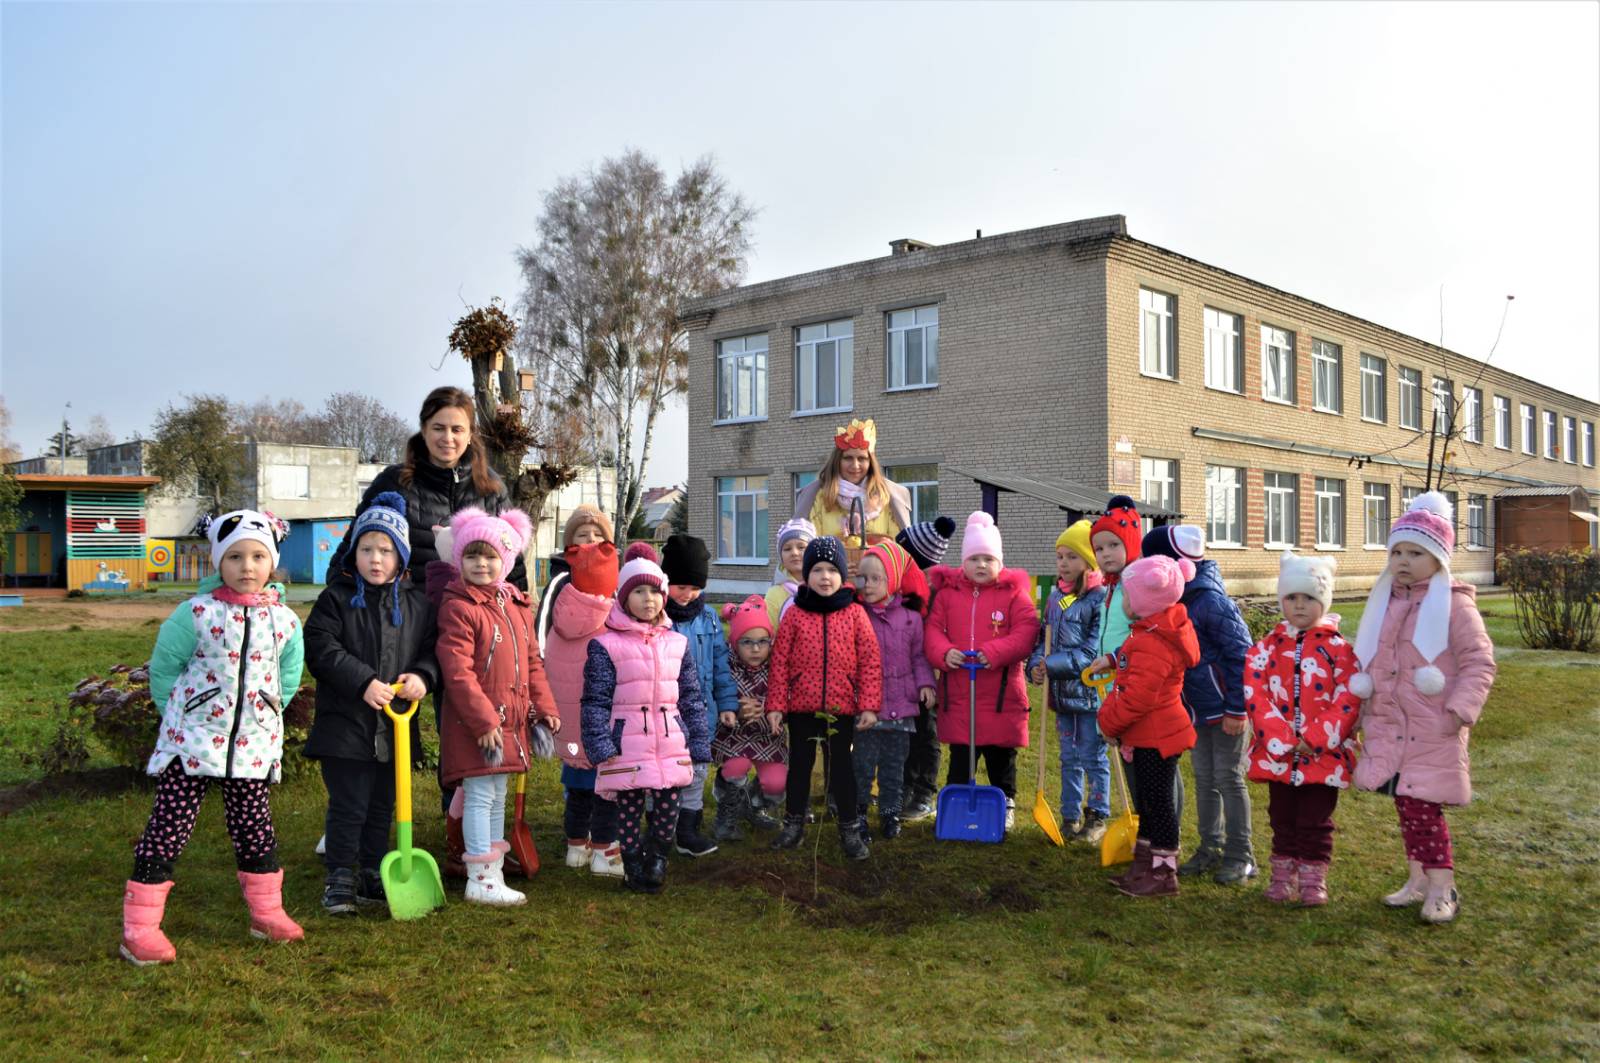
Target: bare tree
198	442
620	251
98	434
9	451
351	419
268	420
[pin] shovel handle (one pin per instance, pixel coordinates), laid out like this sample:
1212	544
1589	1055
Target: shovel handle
402	770
1101	681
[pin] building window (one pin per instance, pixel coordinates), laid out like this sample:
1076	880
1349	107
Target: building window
1374	388
1277	364
1588	443
1502	422
824	360
1410	397
1477	520
1159	480
913	347
803	480
923	483
1224	352
288	481
1330	512
1282	491
742	378
1530	434
1224	506
1408	495
1444	400
1327	389
1569	438
1550	442
1472	415
742	520
1156	356
1375	513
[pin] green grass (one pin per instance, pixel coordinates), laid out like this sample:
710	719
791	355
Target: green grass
929	951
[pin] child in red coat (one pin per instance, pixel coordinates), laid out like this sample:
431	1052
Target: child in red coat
826	661
1144	713
1302	722
986	608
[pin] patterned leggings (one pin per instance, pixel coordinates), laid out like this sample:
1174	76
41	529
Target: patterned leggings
1425	833
1153	777
663	819
178	795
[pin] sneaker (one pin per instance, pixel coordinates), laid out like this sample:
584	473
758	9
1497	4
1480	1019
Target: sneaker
369	888
1094	828
888	825
577	852
607	861
1011	814
1202	862
920	808
1072	830
339	894
1234	872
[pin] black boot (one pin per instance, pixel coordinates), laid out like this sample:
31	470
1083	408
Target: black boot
852	841
655	868
888	824
730	806
861	819
690	841
633	872
339	894
794	829
754	812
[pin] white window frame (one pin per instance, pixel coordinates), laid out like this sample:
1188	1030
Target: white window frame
1502	422
1150	472
1569	440
1472	414
288	482
736	489
1277	347
743	366
1444	399
1224	351
1281	493
1588	444
1227	498
1158	310
896	339
1408	495
1530	428
1408	394
1374	384
1329	504
1477	522
1375	514
1551	440
840	333
921	490
1327	372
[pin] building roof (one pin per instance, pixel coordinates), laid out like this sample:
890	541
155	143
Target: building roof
51	482
1547	491
1072	497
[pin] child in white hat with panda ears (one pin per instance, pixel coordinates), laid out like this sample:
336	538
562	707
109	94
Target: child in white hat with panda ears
1426	668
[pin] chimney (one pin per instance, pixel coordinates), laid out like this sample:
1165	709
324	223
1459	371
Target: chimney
905	245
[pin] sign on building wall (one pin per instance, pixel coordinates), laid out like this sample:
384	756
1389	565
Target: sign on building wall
158	554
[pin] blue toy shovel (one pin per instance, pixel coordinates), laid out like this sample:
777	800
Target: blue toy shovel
968	812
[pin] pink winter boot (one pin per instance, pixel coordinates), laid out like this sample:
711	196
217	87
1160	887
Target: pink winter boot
1284	886
1313	883
264	895
143	943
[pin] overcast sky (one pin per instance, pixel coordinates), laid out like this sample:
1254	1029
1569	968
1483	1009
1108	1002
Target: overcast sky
291	200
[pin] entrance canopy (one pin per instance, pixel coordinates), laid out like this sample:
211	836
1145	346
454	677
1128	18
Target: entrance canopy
1079	502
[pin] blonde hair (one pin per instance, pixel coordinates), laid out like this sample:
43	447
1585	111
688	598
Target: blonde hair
875	484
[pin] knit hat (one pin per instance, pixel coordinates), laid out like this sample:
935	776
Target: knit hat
797	528
386	514
1151	584
981	537
1175	541
748	615
1122	520
254	525
587	514
507	534
1429	522
1076	539
685	559
1306	575
639	570
640	548
824	548
895	560
926	541
594	567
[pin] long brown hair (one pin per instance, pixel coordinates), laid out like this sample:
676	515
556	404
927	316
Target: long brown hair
876	484
484	480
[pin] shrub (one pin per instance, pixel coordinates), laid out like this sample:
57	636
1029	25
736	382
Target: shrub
1557	595
1259	617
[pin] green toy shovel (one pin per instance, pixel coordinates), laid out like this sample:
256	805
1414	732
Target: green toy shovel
410	877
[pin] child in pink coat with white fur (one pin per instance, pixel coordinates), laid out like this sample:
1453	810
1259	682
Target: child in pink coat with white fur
1426	668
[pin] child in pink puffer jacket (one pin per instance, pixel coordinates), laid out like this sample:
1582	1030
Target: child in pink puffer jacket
1427	666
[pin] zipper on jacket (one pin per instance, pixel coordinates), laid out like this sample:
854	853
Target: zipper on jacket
238	702
824	706
494	642
516	651
1299	718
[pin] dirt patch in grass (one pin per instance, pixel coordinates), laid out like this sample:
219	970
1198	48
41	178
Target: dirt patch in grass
890	898
83	614
96	782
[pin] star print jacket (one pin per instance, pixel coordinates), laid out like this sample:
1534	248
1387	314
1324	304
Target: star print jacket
1296	685
222	670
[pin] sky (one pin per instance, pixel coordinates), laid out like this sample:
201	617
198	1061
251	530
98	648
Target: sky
297	199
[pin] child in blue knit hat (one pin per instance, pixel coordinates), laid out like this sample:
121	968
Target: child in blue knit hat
371	628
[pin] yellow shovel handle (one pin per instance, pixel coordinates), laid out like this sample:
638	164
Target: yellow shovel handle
1101	682
402	758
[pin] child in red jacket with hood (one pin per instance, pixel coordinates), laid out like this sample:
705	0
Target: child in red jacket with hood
985	608
1144	713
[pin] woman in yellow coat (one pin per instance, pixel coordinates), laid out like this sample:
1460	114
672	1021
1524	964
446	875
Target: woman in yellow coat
852	472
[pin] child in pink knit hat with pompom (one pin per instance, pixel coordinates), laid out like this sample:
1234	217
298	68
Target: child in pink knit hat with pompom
1426	668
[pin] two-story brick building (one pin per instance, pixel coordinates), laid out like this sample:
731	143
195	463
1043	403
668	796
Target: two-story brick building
1074	361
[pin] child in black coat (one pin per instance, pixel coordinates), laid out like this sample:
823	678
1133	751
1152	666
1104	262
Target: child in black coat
371	628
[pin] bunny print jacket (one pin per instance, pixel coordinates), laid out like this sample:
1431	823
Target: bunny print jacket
1296	686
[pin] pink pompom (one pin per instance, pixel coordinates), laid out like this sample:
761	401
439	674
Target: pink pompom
520	524
1186	567
642	549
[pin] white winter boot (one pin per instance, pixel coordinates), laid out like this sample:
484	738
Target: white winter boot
606	860
1441	902
1414	889
577	852
486	882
